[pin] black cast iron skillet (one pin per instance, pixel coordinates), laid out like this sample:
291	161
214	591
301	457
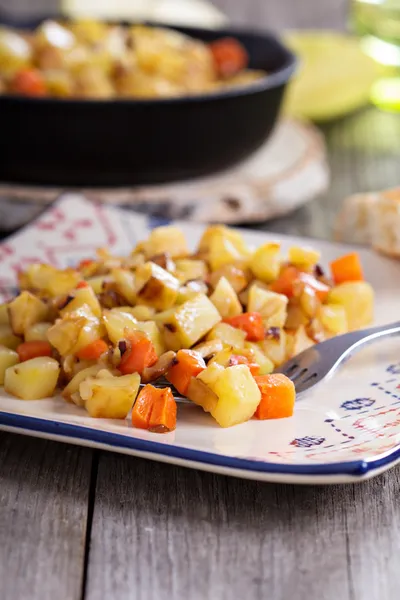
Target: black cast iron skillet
125	142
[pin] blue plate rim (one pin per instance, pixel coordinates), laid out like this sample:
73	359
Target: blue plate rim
356	468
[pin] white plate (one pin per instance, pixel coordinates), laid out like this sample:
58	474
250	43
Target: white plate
344	430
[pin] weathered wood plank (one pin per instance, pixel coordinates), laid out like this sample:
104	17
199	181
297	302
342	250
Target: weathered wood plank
165	532
43	512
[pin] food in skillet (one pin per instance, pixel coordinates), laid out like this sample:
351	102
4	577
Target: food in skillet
90	59
117	334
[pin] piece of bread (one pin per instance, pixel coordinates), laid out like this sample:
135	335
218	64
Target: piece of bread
373	219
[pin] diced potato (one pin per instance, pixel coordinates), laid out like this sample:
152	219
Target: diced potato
33	379
222	357
109	397
275	349
357	298
26	310
238	276
8	358
303	257
309	302
192	320
37	332
49	280
141	312
156	287
231	336
4	314
271	306
297	342
75	330
7	337
266	364
116	321
80	297
226	246
188	269
199	393
190	290
210	375
266	261
295	315
152	331
333	317
96	283
166	239
125	284
71	389
238	396
225	299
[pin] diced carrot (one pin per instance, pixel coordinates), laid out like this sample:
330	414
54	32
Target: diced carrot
286	280
187	364
29	82
251	323
143	406
92	351
155	410
86	262
82	284
33	349
277	396
163	414
290	275
238	359
140	355
229	55
347	268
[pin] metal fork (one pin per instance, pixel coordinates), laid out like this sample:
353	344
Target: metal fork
311	366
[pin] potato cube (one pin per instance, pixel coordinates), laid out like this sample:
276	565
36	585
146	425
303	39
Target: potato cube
37	332
116	321
227	247
265	363
297	342
141	312
71	389
275	348
7	337
51	281
231	336
33	379
8	358
238	276
4	314
238	396
266	261
96	283
26	310
166	239
271	306
225	299
188	269
109	397
75	330
303	257
357	298
156	287
192	320
333	318
80	297
125	284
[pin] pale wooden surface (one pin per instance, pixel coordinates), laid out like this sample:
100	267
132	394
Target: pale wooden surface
153	532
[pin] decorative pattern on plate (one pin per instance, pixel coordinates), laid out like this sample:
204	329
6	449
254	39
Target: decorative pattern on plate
346	427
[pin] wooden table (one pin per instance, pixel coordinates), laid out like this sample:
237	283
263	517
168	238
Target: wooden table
80	524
